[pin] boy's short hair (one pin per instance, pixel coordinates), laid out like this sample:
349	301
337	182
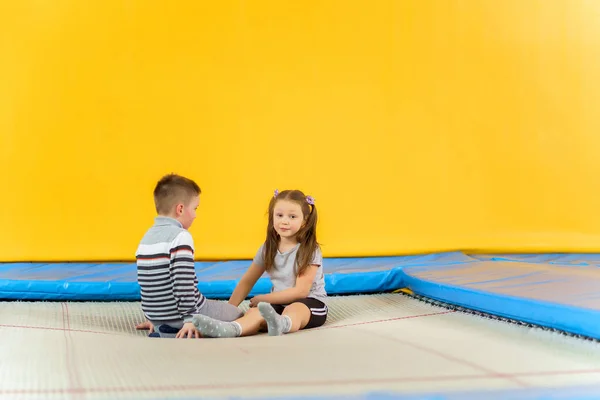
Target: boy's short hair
172	189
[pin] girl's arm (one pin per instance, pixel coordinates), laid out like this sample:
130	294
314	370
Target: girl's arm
300	291
246	284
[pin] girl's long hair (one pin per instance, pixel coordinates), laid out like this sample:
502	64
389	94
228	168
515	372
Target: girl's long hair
306	236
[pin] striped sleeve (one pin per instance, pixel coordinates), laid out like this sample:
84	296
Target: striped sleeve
185	283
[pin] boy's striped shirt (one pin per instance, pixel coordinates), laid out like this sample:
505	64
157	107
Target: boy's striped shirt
166	274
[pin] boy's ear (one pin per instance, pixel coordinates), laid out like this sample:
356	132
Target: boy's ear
179	209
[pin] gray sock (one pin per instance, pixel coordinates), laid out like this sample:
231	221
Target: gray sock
209	327
277	324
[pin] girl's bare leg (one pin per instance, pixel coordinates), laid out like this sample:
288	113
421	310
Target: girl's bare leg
294	317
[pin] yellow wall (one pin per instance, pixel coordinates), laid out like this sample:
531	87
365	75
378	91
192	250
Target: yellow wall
418	125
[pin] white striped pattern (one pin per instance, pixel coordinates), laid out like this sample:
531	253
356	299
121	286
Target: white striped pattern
167	279
319	311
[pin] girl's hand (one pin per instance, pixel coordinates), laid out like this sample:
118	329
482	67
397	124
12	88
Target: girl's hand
188	331
255	300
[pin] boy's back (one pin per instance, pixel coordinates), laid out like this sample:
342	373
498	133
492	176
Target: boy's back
166	274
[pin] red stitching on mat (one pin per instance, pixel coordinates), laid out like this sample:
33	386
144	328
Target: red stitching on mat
67	316
70	373
448	357
383	320
56	329
73	381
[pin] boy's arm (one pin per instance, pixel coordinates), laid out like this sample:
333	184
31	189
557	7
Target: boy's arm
184	275
246	284
299	291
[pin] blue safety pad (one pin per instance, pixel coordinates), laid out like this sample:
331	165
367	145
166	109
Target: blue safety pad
217	280
561	296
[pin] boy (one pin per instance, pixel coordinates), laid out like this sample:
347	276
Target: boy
165	264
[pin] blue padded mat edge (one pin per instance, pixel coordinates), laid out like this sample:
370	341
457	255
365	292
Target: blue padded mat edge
558	296
217	280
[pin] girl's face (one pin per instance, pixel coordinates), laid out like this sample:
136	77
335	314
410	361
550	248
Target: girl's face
287	218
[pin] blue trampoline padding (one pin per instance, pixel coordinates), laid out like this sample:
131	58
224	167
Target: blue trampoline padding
217	280
560	296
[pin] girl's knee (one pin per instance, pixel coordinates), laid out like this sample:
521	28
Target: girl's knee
296	308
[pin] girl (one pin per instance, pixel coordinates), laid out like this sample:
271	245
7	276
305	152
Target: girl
292	258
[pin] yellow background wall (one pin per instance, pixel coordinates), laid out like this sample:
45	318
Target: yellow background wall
418	125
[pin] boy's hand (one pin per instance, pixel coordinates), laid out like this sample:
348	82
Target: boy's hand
145	326
188	331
